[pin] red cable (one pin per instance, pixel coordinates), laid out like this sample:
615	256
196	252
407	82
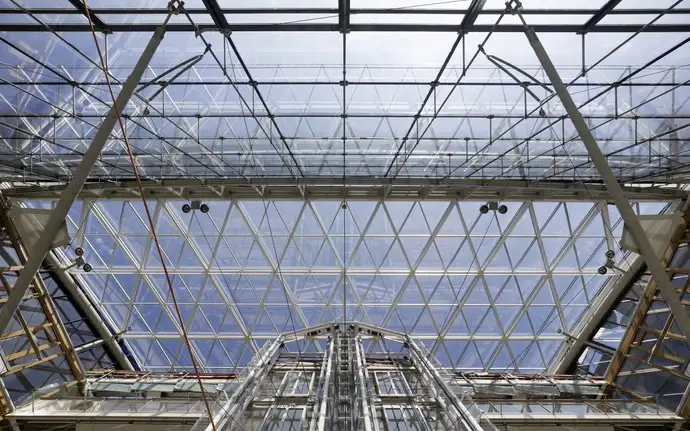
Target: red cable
151	224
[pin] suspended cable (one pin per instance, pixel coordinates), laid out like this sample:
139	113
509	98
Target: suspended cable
135	171
229	291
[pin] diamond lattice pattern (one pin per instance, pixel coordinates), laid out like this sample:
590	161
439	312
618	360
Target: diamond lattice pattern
484	292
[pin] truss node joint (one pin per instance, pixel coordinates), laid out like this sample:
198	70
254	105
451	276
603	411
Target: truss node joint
176	6
513	6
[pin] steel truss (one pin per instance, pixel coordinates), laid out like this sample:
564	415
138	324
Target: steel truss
325	188
651	358
232	271
599	13
345	395
431	156
394	384
417	27
478	161
36	340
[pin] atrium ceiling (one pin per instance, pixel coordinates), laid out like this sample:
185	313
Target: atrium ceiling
345	149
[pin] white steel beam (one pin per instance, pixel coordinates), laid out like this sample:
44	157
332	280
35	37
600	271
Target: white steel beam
224	415
321	395
44	243
95	318
364	187
326	388
363	393
467	420
622	203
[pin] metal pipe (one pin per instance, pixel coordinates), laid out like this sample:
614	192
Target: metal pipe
95	318
467	419
366	414
322	387
569	353
44	243
323	409
627	213
365	369
220	418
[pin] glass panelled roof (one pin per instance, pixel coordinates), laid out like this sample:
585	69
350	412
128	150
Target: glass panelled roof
485	291
476	121
384	94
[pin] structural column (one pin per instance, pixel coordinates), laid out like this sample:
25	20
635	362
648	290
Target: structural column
44	243
599	160
322	393
428	371
362	385
238	401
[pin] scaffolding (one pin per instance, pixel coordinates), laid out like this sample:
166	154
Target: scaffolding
359	377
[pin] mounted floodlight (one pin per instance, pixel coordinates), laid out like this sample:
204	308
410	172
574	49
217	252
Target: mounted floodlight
195	205
493	206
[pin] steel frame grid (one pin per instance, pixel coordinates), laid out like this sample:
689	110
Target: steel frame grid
271	116
340	29
40	323
237	260
633	356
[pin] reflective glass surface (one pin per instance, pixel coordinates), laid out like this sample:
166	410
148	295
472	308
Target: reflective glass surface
402	95
483	291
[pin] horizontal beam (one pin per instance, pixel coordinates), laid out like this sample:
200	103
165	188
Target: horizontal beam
601	14
377	116
361	188
87	12
20	332
22	353
334	11
321	27
324	81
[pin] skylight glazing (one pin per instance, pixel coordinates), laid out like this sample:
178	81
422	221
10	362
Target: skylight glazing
484	292
395	93
472	124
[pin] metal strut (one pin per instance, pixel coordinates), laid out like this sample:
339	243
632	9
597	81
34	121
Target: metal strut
44	243
599	160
